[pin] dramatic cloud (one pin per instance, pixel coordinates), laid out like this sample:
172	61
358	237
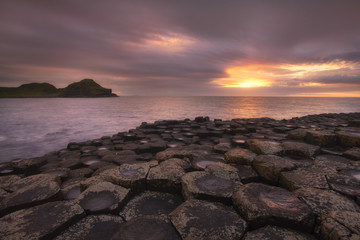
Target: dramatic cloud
170	47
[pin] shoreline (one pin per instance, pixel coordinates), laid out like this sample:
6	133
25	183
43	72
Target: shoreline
296	177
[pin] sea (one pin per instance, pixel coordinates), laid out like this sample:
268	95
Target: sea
32	127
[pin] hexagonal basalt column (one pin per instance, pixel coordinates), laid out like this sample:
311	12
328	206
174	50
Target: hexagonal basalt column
102	197
197	219
151	203
272	232
202	185
263	204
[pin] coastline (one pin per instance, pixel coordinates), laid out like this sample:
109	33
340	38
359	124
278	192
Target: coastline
280	177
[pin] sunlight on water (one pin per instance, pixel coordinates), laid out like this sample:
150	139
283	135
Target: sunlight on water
33	127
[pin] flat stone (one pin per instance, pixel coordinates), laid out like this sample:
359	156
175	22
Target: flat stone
345	183
277	233
30	166
147	227
300	149
195	219
96	227
331	162
223	170
88	182
325	138
6	182
247	174
102	197
349	139
58	172
192	152
341	225
322	202
297	134
239	156
269	167
222	147
128	175
303	177
70	162
41	188
41	222
167	176
80	172
261	146
202	162
263	204
151	203
202	185
353	153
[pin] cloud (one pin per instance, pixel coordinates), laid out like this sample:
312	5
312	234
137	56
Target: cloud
175	47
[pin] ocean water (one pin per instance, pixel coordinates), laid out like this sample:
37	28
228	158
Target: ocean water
34	127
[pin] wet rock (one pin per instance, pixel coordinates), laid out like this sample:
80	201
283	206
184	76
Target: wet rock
88	182
322	202
40	188
192	152
273	232
346	183
222	147
270	166
71	162
223	170
265	146
41	222
263	204
303	177
202	185
167	176
247	174
325	138
340	225
58	172
102	197
29	166
349	139
97	227
6	182
195	219
128	175
353	153
239	156
151	203
297	134
80	172
147	227
300	149
202	162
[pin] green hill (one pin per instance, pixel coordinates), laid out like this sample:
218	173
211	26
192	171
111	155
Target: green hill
84	88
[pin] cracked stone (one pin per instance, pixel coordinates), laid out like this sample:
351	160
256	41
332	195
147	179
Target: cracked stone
239	156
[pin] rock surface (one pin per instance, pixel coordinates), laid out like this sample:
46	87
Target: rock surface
240	179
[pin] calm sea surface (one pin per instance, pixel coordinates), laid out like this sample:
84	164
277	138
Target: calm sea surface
33	127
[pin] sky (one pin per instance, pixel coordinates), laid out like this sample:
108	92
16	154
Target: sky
185	47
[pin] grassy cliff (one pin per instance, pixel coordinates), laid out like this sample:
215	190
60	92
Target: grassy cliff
84	88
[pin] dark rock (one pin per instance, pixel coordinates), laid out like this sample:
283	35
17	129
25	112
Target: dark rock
6	182
300	149
202	185
263	204
222	147
29	166
58	172
297	134
196	219
223	170
270	166
353	153
331	163
349	139
322	202
128	175
40	188
151	203
265	146
239	156
41	222
276	233
167	176
303	177
346	183
325	138
247	174
340	225
71	162
147	227
102	197
96	227
192	152
80	172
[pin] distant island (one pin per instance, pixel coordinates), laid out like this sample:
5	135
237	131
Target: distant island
83	89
